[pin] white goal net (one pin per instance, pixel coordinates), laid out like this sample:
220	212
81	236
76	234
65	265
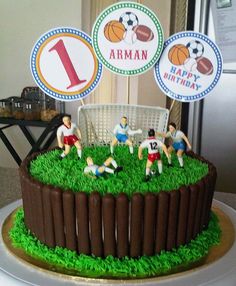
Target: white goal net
97	121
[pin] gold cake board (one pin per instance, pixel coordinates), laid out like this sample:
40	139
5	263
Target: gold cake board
215	253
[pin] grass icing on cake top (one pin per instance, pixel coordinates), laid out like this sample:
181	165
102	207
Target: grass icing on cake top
68	173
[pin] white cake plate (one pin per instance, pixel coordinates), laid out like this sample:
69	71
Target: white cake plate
220	272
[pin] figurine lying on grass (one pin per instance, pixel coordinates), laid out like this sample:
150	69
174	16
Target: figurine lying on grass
98	171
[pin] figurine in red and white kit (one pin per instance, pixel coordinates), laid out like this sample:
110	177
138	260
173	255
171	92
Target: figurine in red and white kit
153	145
66	137
121	132
179	143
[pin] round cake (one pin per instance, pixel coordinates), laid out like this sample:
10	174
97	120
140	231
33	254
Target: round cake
139	223
105	219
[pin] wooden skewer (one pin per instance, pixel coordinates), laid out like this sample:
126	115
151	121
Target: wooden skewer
172	105
128	89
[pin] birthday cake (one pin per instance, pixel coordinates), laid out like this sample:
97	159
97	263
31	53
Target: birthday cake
133	210
118	216
139	209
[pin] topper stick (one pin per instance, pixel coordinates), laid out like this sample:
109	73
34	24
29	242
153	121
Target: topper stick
128	89
172	105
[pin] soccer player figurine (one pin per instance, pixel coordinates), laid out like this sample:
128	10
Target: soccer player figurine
67	133
179	143
121	132
153	146
101	170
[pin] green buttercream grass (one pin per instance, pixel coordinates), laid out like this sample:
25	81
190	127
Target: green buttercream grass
90	266
68	173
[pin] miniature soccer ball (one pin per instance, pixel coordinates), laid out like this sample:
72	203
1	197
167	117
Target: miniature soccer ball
153	172
129	20
196	49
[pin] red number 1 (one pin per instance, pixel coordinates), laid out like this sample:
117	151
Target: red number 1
60	48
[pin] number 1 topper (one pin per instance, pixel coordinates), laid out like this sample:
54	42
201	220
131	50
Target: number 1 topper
64	65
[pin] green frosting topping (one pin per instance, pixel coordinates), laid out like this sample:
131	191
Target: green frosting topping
68	173
90	266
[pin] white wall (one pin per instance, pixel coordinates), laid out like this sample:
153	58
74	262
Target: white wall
21	24
148	91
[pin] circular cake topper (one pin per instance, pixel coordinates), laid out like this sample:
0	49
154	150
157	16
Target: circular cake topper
190	66
64	65
127	38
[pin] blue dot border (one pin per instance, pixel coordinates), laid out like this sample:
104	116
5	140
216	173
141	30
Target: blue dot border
42	86
201	95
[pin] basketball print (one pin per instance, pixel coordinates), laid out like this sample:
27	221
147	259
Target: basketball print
144	33
190	65
204	66
178	54
114	31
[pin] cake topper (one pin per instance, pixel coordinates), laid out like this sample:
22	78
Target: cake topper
179	143
121	131
127	38
66	137
98	171
153	146
190	66
70	52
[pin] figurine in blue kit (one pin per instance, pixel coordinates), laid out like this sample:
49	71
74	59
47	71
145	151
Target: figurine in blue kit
121	132
179	143
96	171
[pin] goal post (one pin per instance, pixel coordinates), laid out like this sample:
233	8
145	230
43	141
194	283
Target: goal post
97	121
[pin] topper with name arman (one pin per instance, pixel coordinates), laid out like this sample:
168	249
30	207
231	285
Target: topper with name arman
119	54
128	38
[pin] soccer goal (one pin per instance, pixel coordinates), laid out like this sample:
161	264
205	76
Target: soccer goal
97	121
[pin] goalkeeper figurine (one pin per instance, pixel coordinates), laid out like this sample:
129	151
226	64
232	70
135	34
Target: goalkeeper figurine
121	132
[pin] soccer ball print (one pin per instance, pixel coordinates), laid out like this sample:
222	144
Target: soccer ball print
196	49
129	20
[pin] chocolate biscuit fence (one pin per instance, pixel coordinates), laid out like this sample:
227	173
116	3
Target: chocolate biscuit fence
117	226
